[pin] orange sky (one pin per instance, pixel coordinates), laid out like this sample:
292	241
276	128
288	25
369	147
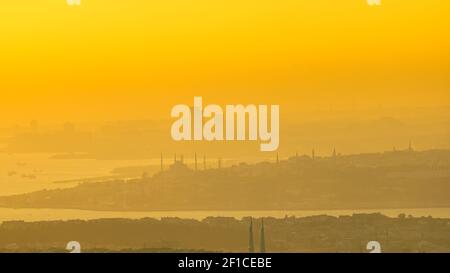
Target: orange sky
133	59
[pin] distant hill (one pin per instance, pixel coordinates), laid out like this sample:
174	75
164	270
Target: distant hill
397	179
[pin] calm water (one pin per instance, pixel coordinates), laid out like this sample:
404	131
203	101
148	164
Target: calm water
63	214
23	173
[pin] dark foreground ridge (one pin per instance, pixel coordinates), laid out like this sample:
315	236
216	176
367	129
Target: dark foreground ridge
310	234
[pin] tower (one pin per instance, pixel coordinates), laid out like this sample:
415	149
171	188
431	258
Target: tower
251	243
263	238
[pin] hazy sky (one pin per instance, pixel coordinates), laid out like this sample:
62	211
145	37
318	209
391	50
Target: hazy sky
135	59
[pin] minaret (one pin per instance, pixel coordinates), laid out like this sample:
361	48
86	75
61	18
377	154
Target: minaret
196	162
263	238
251	243
278	158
